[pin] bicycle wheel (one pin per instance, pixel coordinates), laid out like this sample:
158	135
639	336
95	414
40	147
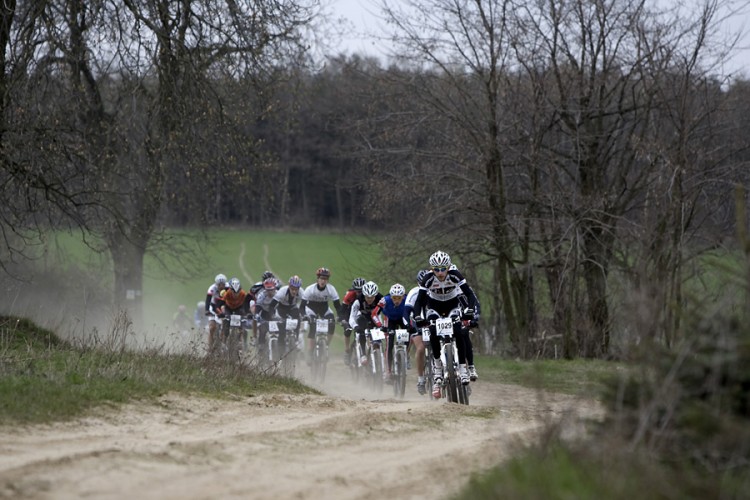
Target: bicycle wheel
377	373
463	394
399	373
354	367
321	358
273	351
452	382
288	361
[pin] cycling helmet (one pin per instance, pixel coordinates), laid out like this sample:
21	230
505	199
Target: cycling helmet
235	284
269	283
370	289
398	289
266	275
220	280
440	259
358	283
323	272
295	281
201	305
420	275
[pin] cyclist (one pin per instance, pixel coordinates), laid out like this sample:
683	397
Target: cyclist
349	297
258	287
315	299
438	297
181	321
263	310
416	335
213	296
364	313
286	304
392	308
235	300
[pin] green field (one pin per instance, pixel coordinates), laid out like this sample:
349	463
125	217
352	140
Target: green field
170	280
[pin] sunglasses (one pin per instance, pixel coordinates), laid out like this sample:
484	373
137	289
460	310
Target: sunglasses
441	269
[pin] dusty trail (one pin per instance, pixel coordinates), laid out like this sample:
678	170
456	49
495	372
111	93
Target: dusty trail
347	443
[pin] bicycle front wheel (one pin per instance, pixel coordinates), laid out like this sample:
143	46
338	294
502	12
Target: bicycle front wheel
399	372
377	373
321	360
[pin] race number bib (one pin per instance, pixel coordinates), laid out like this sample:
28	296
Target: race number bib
402	336
235	320
377	334
444	327
273	327
426	334
291	323
321	326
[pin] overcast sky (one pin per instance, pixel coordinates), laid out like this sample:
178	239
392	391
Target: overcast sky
362	16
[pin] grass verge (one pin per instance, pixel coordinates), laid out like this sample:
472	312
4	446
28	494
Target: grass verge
578	377
43	379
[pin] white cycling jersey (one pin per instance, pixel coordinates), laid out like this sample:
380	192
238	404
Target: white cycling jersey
411	297
215	292
313	294
284	298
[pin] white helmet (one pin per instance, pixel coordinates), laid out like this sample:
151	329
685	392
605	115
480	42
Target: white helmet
370	289
220	280
398	289
235	284
440	259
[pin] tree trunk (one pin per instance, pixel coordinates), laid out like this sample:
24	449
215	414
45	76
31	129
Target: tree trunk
127	260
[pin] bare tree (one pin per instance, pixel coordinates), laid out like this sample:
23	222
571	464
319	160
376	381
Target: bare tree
551	112
136	87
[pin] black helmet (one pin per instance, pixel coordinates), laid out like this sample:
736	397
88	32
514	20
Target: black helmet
358	283
266	275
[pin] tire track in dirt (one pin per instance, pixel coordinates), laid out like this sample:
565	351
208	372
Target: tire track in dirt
347	443
241	261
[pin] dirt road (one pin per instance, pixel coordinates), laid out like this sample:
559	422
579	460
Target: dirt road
347	443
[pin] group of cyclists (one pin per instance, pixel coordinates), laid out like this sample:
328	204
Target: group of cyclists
441	291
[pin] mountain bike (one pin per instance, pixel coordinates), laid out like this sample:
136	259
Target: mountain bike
453	389
358	365
376	337
320	349
233	334
278	355
400	343
291	349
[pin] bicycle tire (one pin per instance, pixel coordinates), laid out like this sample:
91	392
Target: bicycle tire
321	359
452	376
273	350
463	394
377	374
354	367
399	371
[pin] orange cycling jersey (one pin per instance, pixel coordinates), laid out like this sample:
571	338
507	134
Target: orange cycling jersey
233	300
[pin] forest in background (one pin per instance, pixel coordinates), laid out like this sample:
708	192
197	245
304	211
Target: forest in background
577	159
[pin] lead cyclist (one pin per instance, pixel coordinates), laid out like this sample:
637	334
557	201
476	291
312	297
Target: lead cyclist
438	297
